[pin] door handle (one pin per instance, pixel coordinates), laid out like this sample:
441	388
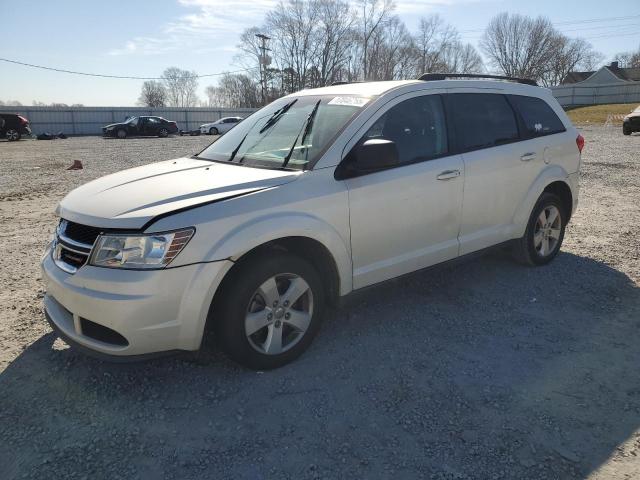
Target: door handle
448	174
528	157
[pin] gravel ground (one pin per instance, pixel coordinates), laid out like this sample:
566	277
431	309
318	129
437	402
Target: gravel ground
484	370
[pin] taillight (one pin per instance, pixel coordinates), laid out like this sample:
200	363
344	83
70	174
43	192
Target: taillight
580	142
23	120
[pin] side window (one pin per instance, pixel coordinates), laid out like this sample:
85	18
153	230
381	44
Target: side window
539	118
417	126
483	120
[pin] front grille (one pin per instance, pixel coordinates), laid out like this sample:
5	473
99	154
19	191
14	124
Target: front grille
72	258
73	245
79	233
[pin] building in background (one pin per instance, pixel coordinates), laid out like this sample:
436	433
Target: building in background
609	84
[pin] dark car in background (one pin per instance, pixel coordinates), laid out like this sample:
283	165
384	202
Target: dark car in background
13	126
141	127
631	122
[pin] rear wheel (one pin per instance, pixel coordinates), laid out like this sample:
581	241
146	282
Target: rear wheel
270	309
13	135
163	133
545	231
213	131
121	133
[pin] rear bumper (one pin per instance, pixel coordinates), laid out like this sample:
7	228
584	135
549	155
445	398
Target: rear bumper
156	311
573	179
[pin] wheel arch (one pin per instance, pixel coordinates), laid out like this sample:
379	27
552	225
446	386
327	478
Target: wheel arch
562	190
310	249
553	179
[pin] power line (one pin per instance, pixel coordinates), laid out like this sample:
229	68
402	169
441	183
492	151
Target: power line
572	22
61	70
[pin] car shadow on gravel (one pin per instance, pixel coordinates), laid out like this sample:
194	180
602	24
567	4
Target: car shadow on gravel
482	370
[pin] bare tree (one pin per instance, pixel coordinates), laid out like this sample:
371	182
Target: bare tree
519	46
569	55
293	28
181	87
334	36
628	59
234	91
461	58
372	16
391	51
433	38
152	94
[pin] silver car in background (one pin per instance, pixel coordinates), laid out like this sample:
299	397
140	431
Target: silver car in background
220	126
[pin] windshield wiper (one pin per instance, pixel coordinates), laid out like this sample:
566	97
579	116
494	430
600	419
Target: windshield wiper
235	150
307	128
277	115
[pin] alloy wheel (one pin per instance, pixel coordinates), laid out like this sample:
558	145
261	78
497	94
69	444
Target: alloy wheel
12	135
547	231
279	314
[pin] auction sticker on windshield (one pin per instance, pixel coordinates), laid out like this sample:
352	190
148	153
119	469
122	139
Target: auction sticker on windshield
351	101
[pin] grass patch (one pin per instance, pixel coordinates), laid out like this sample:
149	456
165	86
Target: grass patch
597	114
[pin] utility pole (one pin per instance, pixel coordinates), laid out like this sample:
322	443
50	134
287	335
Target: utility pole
264	62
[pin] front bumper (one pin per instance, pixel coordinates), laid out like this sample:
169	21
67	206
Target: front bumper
153	311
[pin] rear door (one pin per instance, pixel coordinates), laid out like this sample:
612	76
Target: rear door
499	166
406	218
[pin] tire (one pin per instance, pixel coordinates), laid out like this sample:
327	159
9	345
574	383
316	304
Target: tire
541	244
13	135
163	133
626	130
246	304
121	133
213	131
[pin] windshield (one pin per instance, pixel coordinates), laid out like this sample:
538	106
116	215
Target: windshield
288	133
132	121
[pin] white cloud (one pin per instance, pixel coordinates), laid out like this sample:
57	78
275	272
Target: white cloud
211	25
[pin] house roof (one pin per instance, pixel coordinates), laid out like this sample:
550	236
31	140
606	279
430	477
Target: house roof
628	74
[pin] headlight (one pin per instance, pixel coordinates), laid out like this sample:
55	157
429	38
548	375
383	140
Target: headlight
110	128
147	252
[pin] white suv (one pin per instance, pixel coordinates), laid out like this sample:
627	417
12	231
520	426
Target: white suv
318	194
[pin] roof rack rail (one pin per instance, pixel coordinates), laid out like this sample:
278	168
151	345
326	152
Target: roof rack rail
342	82
428	77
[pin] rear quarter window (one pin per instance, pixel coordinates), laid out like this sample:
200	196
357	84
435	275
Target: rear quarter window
539	118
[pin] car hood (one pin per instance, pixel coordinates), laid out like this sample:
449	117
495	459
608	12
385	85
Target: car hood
132	198
112	125
633	114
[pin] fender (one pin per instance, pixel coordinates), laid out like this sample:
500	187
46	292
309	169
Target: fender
552	173
258	231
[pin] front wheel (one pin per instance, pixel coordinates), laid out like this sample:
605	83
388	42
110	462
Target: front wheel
626	130
121	133
270	309
213	131
545	231
13	135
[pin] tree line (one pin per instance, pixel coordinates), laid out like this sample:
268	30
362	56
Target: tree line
313	43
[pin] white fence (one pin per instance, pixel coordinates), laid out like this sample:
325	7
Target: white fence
90	120
569	95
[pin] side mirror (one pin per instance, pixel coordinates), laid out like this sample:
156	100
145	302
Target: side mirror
375	154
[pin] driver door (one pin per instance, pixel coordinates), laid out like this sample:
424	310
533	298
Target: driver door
407	217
